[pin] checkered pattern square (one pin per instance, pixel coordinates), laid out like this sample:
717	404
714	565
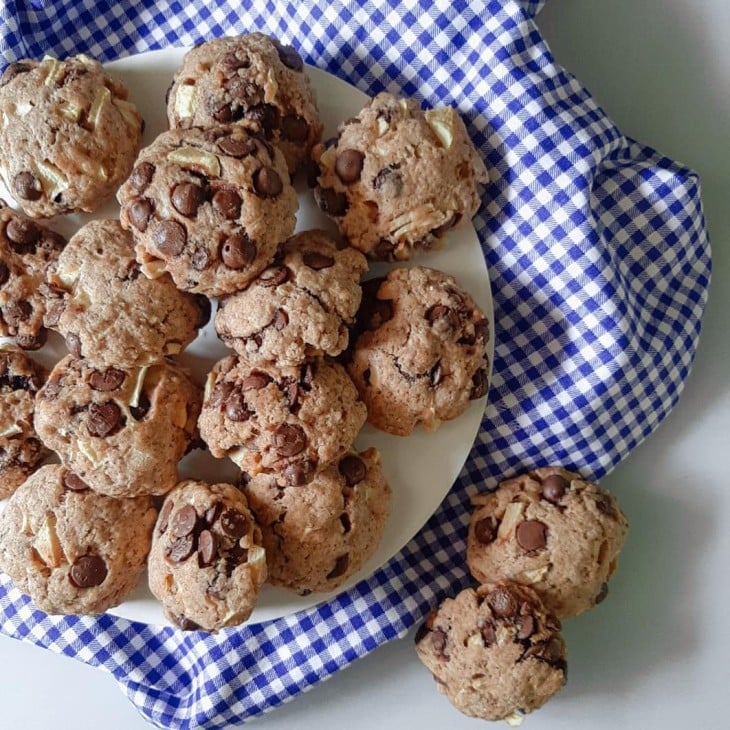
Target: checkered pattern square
599	263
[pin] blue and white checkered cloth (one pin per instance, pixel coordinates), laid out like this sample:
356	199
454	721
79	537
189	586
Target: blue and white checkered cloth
599	263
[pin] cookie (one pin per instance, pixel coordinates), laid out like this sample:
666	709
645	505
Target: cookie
252	77
317	536
70	549
206	564
300	307
396	179
552	530
111	314
287	421
209	207
26	249
21	451
421	355
495	652
122	431
69	136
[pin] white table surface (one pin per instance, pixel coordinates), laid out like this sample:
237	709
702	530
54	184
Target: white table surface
656	653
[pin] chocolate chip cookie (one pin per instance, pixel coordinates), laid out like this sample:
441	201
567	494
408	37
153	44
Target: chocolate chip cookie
300	307
317	536
26	249
421	355
396	178
209	206
21	451
70	549
252	77
69	136
121	430
206	565
111	314
552	530
287	421
495	652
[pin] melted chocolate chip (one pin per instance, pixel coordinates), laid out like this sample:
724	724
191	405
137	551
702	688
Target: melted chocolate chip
348	165
164	517
74	482
186	199
88	571
22	234
267	183
139	211
340	567
181	549
142	176
103	419
227	203
255	381
207	548
479	384
273	276
294	128
485	530
317	261
238	251
553	488
13	70
289	56
299	472
526	626
353	469
236	146
107	380
142	408
289	440
502	602
204	309
236	408
169	238
531	535
73	343
332	202
234	524
27	186
184	520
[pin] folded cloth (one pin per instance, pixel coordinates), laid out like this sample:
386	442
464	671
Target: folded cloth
599	264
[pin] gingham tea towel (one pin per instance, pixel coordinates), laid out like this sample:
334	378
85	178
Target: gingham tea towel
599	264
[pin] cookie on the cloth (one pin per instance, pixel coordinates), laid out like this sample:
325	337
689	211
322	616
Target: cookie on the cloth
287	421
300	307
26	250
396	178
108	311
252	77
317	536
209	206
206	565
420	357
69	548
495	652
69	134
21	451
123	431
552	530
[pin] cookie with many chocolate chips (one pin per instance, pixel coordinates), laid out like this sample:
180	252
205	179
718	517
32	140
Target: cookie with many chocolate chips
302	306
70	549
206	565
552	530
108	311
121	430
249	77
495	652
69	136
317	536
21	451
26	250
396	178
290	422
420	355
208	206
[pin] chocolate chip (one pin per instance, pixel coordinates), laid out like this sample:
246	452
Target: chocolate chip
211	514
341	565
54	309
348	165
88	571
526	626
164	517
502	603
207	548
220	394
317	261
601	594
550	651
223	114
439	642
353	469
389	177
345	522
237	555
22	234
266	116
106	380
531	535
436	375
27	186
15	312
103	419
273	276
142	408
181	549
204	309
299	472
29	341
267	183
294	128
289	56
292	396
481	330
255	381
73	343
142	176
605	506
489	634
186	199
236	408
13	70
281	320
331	202
4	273
227	202
184	520
234	524
442	315
383	250
200	260
553	488
238	251
74	482
139	211
485	530
479	384
289	440
236	146
230	63
169	238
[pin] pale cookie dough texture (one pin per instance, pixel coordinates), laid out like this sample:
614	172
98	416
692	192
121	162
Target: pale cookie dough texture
108	311
302	306
252	77
68	137
21	451
207	564
495	652
122	431
70	549
26	250
209	206
287	421
396	178
317	536
420	357
552	530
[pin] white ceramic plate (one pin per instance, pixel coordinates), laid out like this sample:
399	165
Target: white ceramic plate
421	468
